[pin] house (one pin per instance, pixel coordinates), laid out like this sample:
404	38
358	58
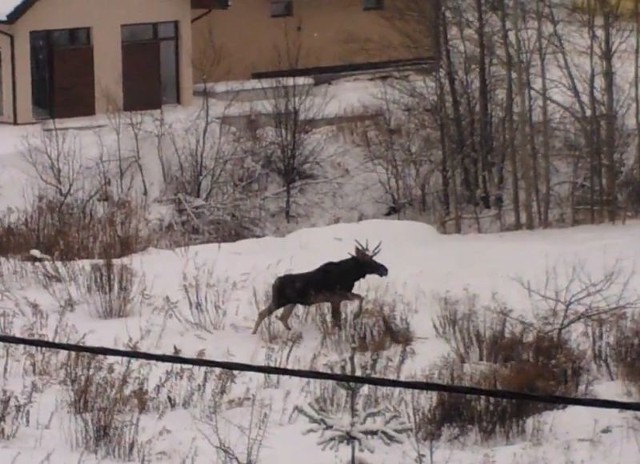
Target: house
624	8
68	58
270	38
71	58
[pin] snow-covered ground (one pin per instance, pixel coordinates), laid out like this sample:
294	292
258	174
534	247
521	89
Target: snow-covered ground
176	422
422	265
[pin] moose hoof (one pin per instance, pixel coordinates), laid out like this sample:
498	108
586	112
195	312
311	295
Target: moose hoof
286	325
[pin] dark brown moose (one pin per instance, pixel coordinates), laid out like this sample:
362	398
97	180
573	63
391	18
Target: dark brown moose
330	283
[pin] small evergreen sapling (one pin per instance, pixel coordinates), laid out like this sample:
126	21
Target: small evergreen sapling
361	427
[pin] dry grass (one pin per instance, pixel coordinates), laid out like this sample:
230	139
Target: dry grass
623	346
107	402
378	326
493	350
114	289
15	411
206	300
73	230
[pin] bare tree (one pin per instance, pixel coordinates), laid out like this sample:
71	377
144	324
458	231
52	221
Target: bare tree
292	150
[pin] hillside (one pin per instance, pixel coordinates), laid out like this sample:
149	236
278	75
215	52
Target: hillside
172	414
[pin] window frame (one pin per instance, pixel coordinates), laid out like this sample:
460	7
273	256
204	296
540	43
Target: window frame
372	5
156	36
281	8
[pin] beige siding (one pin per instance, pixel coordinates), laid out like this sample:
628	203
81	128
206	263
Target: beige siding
247	39
104	18
6	115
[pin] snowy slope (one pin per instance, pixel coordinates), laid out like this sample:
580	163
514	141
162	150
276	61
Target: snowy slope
422	264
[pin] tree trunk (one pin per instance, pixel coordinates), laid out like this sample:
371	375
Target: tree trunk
610	113
510	125
458	136
484	142
546	147
523	146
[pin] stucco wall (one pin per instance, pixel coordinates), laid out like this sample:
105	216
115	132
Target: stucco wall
247	39
104	18
6	115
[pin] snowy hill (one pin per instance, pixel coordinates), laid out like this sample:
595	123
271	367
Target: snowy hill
172	418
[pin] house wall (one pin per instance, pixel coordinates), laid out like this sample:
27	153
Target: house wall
104	18
247	39
6	113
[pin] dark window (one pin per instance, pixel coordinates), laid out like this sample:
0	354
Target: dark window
167	30
280	8
373	4
137	32
169	71
151	31
41	44
70	37
166	35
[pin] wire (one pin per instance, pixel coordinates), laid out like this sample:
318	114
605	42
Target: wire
320	375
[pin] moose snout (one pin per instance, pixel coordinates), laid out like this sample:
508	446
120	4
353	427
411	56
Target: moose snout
383	271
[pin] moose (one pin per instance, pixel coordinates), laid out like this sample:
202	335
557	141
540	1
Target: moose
331	283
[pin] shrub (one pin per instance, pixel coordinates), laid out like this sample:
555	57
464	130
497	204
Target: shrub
114	289
625	349
73	230
377	326
15	410
206	301
494	350
107	401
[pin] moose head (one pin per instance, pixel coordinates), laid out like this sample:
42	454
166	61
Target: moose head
366	259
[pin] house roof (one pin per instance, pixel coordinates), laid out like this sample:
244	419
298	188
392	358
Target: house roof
12	10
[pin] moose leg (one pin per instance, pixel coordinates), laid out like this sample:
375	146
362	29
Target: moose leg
262	315
286	314
336	315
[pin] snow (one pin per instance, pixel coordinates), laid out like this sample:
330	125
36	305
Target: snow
7	6
422	264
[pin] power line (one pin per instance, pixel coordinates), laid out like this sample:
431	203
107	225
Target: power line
319	375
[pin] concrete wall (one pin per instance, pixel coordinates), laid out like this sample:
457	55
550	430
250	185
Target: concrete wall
104	17
231	44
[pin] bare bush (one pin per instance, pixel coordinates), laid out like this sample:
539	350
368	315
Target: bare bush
114	289
183	387
15	411
37	323
206	300
578	297
73	230
56	159
497	351
378	325
401	147
107	402
473	333
615	343
241	441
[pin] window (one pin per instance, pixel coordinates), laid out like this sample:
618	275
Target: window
42	44
280	8
166	35
70	37
137	32
373	5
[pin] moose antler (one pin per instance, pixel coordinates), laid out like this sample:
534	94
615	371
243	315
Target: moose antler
365	248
